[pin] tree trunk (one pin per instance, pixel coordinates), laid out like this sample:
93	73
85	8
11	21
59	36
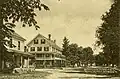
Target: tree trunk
0	42
1	46
119	39
0	59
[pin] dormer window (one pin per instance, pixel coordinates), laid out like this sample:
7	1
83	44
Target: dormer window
36	41
42	41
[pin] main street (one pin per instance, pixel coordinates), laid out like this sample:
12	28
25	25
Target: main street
60	74
54	74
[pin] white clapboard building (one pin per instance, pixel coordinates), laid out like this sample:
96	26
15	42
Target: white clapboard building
17	49
47	53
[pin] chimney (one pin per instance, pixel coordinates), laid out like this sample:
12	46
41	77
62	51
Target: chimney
54	41
49	36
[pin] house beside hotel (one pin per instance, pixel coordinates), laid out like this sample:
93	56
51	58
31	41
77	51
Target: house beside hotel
47	53
17	50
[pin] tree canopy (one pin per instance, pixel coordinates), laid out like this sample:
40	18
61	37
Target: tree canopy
100	59
65	46
108	34
77	54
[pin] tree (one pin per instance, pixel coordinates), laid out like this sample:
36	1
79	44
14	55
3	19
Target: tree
100	59
65	47
88	55
12	11
73	57
73	49
108	34
77	54
80	55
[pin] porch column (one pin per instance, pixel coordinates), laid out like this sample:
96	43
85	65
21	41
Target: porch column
51	63
53	60
61	63
44	61
21	61
3	63
28	62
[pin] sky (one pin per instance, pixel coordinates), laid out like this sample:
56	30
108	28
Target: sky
75	19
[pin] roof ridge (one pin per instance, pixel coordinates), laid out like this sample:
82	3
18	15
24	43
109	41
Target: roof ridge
16	34
46	39
32	39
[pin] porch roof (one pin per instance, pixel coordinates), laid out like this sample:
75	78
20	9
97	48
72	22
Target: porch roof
19	52
56	58
45	52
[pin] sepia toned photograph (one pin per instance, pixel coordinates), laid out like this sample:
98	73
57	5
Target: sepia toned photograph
59	39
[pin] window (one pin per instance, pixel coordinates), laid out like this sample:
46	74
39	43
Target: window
39	55
10	43
42	41
39	48
52	55
18	45
25	49
46	48
53	49
47	55
36	41
32	49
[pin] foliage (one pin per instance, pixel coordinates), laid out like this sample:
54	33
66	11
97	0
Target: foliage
73	56
80	53
108	34
65	46
77	54
12	11
87	55
100	59
21	10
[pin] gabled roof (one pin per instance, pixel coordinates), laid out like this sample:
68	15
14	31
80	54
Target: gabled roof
16	35
49	41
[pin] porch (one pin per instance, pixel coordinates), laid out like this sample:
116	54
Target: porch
49	63
21	61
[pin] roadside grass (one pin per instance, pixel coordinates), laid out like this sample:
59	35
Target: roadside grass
32	75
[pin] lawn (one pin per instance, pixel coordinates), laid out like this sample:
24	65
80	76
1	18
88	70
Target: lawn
33	75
